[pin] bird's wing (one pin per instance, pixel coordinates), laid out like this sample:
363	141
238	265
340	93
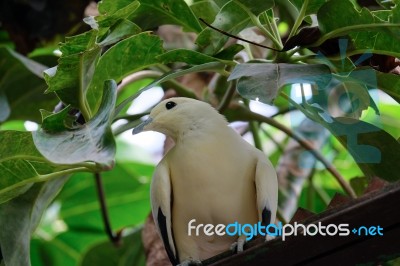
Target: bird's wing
267	191
161	202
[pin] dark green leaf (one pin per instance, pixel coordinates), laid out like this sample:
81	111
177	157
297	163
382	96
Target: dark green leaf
187	56
359	184
22	87
124	58
230	52
152	14
127	194
92	141
20	216
121	30
111	16
232	19
312	7
375	32
257	6
20	164
262	81
130	253
205	9
75	69
111	6
373	149
389	83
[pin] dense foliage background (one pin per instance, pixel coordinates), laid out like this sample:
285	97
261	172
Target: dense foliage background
332	77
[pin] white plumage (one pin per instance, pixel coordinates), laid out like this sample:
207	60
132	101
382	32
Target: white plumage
211	175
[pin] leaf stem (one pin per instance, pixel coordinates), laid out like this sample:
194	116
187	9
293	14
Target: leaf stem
299	19
345	30
227	97
257	23
114	238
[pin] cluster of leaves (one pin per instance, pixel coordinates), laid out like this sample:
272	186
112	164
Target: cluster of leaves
331	45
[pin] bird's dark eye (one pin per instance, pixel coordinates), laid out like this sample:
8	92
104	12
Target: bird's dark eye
170	105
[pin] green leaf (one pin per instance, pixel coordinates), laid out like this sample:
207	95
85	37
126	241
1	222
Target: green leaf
232	18
92	141
75	69
130	253
152	14
312	7
126	57
359	184
377	32
126	189
205	9
17	173
230	52
119	31
20	216
127	195
22	87
111	15
257	6
262	81
389	83
187	56
111	6
373	149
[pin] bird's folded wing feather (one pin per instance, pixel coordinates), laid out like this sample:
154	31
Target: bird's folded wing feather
267	196
161	196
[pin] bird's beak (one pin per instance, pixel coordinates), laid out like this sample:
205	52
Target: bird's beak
139	128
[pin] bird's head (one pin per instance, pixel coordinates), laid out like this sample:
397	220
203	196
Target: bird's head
178	117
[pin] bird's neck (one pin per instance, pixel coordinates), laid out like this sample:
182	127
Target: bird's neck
199	132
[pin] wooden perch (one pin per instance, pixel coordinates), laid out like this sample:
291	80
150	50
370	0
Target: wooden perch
373	209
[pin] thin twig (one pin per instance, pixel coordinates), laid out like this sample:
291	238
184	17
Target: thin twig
237	37
114	238
304	143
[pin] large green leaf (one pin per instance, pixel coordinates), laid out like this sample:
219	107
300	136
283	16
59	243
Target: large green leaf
127	56
152	14
81	53
130	253
373	149
127	195
22	87
389	83
19	218
21	164
232	18
92	141
205	9
75	69
262	81
376	32
312	7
